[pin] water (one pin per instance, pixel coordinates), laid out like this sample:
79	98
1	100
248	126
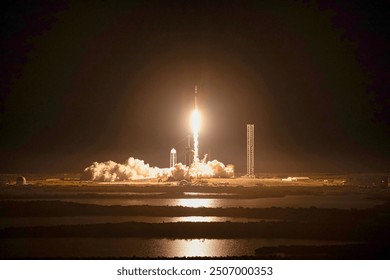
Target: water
303	201
141	247
208	194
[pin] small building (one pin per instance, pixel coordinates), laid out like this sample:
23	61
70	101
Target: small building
173	158
20	181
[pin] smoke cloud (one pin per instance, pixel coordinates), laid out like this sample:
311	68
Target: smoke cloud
134	169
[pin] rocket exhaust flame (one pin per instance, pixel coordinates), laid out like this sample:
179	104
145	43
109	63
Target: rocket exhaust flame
134	169
195	121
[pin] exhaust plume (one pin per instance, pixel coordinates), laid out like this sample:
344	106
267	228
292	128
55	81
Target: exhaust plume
135	169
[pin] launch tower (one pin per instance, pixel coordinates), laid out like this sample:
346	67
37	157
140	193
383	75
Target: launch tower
250	150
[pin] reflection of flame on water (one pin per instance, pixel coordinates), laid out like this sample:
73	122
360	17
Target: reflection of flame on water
195	202
194	248
198	219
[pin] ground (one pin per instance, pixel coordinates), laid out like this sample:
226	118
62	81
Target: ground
321	208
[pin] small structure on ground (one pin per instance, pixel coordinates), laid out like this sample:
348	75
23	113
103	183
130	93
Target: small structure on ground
20	181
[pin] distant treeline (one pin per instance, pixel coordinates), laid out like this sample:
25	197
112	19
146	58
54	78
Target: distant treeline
61	209
324	230
367	251
158	191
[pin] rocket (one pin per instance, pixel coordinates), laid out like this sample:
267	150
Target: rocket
196	92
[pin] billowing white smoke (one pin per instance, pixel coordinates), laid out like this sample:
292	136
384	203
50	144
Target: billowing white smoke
220	170
179	172
134	169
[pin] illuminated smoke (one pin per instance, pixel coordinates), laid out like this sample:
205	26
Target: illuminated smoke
220	170
180	172
135	169
132	169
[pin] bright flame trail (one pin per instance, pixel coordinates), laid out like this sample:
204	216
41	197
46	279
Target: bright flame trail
195	121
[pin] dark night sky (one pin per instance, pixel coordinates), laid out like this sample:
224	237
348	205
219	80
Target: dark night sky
104	80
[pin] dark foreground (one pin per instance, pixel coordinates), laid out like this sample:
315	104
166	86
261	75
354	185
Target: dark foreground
361	234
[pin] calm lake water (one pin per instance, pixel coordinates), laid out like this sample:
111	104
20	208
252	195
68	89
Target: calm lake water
141	247
319	201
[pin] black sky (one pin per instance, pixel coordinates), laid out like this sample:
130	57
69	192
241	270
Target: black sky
85	81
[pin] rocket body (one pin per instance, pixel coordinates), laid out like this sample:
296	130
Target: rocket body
195	120
196	103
